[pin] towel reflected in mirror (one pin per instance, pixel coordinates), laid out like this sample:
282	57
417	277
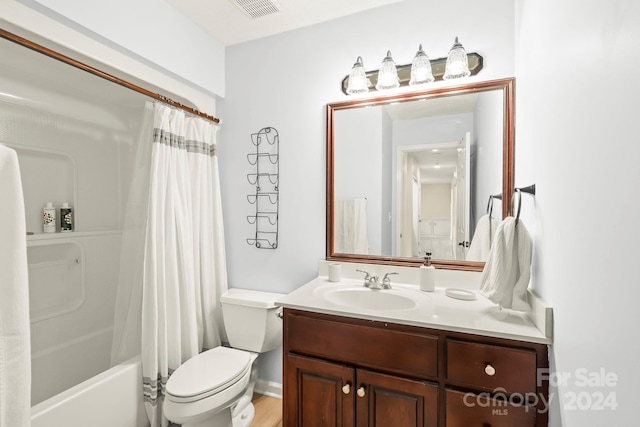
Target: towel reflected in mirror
482	238
350	226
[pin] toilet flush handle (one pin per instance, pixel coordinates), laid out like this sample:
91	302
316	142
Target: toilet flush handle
279	312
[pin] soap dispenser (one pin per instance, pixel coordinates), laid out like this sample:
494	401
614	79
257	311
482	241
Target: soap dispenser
427	275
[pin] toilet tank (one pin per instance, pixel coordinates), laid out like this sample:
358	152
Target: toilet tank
251	319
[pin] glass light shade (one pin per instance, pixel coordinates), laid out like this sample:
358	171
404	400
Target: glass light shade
387	75
457	63
421	69
358	82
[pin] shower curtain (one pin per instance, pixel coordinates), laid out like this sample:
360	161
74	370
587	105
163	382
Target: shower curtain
15	347
173	267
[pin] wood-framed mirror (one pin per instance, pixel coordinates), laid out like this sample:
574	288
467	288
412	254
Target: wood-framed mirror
413	172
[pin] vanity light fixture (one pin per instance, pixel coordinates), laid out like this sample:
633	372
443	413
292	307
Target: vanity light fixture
358	81
388	74
421	69
457	63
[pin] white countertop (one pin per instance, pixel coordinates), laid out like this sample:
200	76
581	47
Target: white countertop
432	310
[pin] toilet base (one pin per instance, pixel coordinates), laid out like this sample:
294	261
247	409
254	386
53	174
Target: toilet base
244	418
220	419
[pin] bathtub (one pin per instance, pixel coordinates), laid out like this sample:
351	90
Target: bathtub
111	398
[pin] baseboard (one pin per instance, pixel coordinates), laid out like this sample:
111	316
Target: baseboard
269	388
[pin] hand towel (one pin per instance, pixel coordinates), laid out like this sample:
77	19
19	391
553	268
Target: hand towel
482	238
15	348
506	274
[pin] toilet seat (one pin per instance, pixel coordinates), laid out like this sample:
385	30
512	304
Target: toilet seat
208	373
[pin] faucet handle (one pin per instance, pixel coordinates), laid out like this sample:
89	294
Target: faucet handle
367	274
386	282
370	280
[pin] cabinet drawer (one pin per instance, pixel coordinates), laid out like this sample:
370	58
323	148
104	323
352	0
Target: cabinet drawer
470	410
390	350
490	367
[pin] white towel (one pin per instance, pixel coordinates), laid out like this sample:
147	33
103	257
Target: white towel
15	348
482	238
506	274
350	227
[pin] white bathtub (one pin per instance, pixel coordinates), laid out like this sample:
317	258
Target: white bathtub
111	398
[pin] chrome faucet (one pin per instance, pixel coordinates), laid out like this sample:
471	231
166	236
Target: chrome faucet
371	280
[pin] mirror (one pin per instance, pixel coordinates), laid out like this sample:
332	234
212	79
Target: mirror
413	172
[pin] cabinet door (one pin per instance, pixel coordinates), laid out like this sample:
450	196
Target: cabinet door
317	393
470	410
385	400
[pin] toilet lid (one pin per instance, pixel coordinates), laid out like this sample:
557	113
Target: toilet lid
208	372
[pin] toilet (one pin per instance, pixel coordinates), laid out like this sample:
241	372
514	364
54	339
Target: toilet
214	388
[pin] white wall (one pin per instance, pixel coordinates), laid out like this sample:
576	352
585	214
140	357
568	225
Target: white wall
54	31
488	128
285	81
435	202
577	140
150	29
357	165
386	174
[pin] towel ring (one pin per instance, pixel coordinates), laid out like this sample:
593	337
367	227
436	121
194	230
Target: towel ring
517	190
529	190
490	202
490	206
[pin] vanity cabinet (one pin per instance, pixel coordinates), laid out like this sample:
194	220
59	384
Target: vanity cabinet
332	394
348	372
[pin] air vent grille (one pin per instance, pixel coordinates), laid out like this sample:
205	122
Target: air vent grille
257	8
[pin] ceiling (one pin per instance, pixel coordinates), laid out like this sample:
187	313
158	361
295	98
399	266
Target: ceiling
227	23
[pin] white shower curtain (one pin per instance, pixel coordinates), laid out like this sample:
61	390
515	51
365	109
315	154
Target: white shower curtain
173	261
15	332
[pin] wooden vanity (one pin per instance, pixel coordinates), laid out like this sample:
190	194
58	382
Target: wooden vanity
347	372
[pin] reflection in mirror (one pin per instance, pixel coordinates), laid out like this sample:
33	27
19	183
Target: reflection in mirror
411	174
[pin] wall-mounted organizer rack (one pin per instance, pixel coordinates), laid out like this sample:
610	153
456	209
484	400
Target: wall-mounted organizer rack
266	180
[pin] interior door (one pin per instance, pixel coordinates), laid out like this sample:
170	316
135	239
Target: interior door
463	197
415	218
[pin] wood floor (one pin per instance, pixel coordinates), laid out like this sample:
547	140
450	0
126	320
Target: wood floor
268	411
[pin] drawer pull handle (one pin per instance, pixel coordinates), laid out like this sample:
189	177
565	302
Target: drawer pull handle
346	389
361	392
489	370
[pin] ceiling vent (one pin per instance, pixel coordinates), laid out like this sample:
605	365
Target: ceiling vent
257	8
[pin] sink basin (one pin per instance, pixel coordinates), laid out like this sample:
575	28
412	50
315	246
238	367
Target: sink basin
385	299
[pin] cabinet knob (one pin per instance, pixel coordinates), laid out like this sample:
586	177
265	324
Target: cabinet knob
361	392
346	389
489	370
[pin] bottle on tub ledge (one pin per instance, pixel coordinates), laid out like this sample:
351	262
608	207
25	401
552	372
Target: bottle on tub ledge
66	218
49	218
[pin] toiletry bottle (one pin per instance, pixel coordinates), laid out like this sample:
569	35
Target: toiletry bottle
66	218
427	275
49	218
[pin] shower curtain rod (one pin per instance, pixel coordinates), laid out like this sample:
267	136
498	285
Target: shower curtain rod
96	72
